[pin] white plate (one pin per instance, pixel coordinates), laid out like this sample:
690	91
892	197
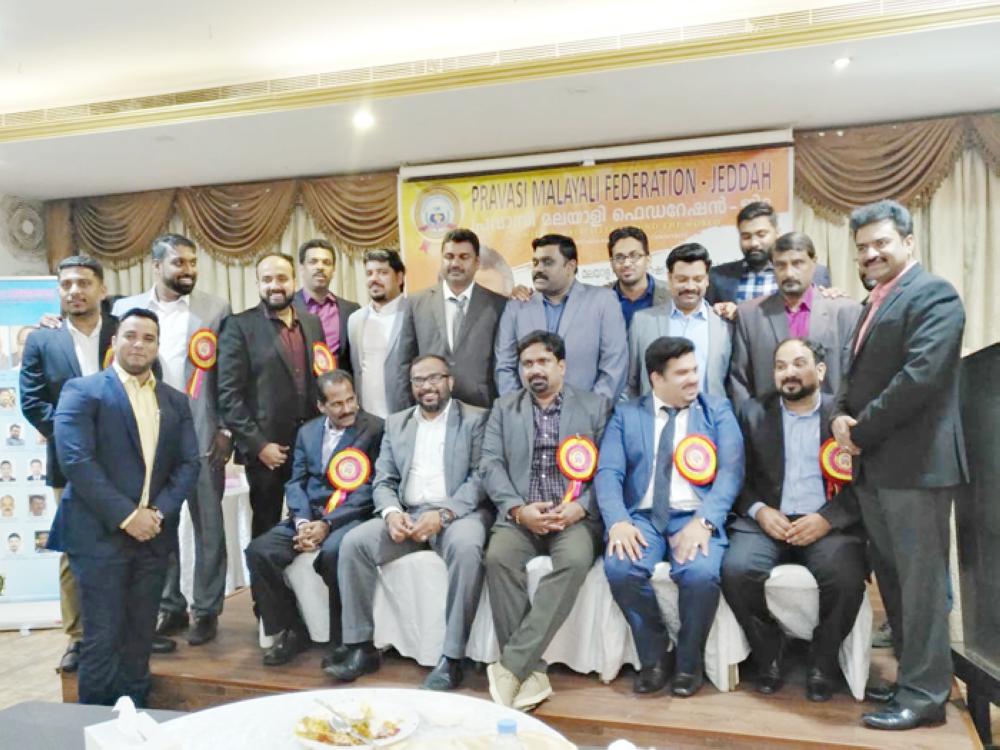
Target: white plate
406	718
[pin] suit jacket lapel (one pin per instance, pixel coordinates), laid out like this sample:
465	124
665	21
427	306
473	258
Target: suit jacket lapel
536	314
573	303
773	434
65	341
451	430
275	339
774	310
346	440
408	442
477	303
888	302
647	422
438	303
124	407
819	317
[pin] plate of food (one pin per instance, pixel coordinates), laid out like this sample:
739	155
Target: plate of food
358	724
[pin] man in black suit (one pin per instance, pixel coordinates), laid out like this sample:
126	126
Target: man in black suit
267	385
310	525
898	414
457	319
317	262
51	357
787	512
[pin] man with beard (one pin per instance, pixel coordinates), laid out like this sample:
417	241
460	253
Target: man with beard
312	524
129	450
588	319
267	384
317	261
77	345
540	512
628	251
688	315
796	310
428	495
374	333
191	318
753	277
457	318
787	512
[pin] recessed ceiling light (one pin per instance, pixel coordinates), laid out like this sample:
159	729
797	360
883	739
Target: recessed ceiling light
841	62
363	119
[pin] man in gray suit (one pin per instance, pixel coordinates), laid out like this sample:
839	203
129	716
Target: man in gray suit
380	377
587	318
183	312
796	310
628	250
457	319
427	493
539	513
686	314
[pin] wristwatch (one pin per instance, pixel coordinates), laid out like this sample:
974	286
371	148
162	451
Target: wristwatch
446	517
706	524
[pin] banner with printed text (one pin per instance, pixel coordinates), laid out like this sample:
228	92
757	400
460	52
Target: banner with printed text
674	199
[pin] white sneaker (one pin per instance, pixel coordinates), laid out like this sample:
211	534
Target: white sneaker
504	684
533	691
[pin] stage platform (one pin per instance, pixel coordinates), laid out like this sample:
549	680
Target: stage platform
583	708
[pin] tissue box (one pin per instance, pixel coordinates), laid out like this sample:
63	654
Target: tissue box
109	736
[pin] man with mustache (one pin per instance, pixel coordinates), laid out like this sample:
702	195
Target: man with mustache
317	262
741	280
184	311
267	384
686	314
796	310
787	512
427	495
311	524
457	318
374	332
587	318
898	414
539	513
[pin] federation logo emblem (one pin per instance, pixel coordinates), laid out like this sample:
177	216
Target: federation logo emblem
437	211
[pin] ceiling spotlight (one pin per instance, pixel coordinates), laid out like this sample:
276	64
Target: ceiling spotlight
363	119
841	62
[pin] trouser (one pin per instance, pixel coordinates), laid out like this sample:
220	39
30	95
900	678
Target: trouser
525	628
698	593
205	507
267	494
369	545
69	599
837	563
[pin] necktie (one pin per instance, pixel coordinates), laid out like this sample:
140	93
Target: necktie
663	472
456	325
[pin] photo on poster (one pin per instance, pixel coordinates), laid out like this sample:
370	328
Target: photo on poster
8	400
35	470
8	507
7	471
41	542
14	543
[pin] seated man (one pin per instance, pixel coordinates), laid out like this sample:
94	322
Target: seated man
537	515
428	494
784	516
310	526
660	492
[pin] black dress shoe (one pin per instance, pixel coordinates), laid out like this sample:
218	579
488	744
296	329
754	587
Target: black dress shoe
684	685
336	654
163	645
204	629
880	693
359	661
287	645
819	685
652	679
769	679
171	623
447	675
896	717
71	659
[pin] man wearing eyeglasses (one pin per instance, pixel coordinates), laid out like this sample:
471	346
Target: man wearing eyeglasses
427	494
628	249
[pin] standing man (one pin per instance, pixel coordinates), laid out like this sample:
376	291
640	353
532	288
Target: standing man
588	319
311	524
189	319
317	262
787	512
374	331
752	277
267	384
130	453
428	495
51	357
653	509
628	250
898	414
796	310
457	319
685	314
538	514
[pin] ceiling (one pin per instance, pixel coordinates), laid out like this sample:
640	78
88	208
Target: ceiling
938	71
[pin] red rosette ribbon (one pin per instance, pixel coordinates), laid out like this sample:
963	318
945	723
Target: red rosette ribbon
577	460
323	359
203	351
836	464
696	459
348	470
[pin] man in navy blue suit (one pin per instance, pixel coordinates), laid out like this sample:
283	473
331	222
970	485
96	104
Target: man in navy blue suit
127	446
652	507
309	525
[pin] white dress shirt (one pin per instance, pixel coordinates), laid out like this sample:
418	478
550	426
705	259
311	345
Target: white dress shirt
451	308
174	318
87	347
375	336
682	496
425	484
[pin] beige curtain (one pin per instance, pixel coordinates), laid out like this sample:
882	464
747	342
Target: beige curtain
358	209
116	229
